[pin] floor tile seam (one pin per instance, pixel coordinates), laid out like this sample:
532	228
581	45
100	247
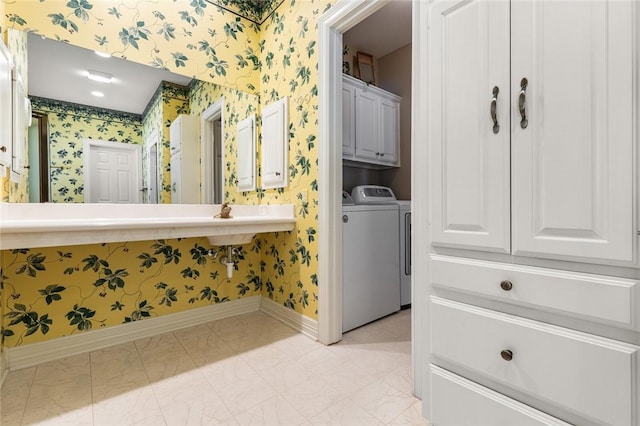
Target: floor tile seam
400	415
26	400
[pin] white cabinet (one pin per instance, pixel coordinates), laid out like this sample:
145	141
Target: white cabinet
564	181
275	144
247	154
185	159
21	120
371	125
533	278
6	106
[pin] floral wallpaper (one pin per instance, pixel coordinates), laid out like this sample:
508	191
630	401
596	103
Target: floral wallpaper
55	292
238	105
289	68
276	58
192	37
169	101
69	124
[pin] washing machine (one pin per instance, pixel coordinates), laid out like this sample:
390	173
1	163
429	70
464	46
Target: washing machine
371	256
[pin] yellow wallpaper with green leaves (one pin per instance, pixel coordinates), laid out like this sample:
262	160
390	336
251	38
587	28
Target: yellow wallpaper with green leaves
289	68
54	292
194	38
168	101
282	266
69	124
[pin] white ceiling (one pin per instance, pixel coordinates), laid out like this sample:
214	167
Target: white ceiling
57	70
384	31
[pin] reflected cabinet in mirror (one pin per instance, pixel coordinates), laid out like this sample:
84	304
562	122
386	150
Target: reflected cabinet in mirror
114	103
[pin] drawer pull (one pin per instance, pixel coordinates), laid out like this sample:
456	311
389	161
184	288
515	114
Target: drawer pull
506	354
506	285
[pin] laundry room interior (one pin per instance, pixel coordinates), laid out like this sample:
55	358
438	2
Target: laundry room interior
376	168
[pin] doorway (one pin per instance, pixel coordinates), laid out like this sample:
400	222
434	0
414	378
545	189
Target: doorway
152	168
212	154
38	158
332	25
112	172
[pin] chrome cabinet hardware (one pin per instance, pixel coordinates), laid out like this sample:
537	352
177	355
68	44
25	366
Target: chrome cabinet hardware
522	99
494	107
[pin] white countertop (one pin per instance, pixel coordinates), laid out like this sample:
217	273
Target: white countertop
24	225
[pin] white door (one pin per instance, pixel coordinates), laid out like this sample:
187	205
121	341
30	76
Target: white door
112	172
348	118
176	178
5	106
367	125
572	164
389	130
469	161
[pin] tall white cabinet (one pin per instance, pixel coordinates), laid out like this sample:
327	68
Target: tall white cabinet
184	134
534	298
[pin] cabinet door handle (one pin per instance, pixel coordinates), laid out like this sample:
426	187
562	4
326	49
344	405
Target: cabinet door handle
506	354
3	148
382	155
277	173
522	100
506	285
494	108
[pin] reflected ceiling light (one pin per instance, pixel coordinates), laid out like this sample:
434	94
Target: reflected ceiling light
101	77
97	94
102	54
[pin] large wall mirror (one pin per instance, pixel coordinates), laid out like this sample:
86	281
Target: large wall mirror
77	95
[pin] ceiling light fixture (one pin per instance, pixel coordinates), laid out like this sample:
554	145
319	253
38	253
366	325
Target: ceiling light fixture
97	94
102	54
101	77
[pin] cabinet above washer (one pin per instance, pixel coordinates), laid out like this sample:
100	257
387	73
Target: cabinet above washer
370	125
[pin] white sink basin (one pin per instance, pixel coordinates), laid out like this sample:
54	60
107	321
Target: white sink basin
230	240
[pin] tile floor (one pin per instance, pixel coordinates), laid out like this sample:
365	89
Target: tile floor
244	370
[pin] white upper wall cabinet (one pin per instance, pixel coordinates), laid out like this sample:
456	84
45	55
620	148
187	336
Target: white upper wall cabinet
532	145
275	144
370	125
6	103
470	161
247	154
572	176
21	121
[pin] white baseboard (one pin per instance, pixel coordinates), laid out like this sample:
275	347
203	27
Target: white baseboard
38	353
4	366
298	322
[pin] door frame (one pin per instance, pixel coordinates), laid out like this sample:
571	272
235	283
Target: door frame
152	141
87	147
337	20
214	112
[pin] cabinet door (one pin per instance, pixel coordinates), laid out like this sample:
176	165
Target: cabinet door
469	167
275	144
367	125
389	131
176	178
572	164
5	106
348	118
246	154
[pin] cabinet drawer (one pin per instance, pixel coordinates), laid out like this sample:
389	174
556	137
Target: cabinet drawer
594	297
588	375
456	401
